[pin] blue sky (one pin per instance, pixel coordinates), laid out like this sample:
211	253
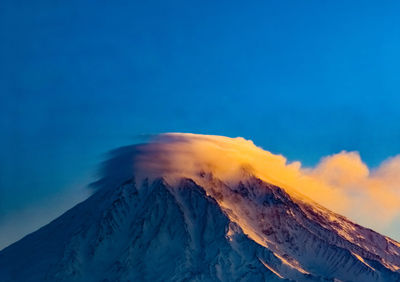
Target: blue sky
302	78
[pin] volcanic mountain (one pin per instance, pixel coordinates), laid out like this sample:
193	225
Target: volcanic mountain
152	220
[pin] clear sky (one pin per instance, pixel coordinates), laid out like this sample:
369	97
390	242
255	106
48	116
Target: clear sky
301	78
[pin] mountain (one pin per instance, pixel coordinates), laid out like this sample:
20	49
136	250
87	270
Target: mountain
200	231
187	207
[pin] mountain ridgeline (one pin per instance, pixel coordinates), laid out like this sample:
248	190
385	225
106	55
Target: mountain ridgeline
201	229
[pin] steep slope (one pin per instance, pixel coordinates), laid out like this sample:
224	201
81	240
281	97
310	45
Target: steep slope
204	231
155	233
306	235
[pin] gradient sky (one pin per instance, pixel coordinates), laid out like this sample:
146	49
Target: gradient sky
302	78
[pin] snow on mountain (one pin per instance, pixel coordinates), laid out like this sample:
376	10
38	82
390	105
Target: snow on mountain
154	224
253	231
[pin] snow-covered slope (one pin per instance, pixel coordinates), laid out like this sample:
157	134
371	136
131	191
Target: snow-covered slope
190	207
203	230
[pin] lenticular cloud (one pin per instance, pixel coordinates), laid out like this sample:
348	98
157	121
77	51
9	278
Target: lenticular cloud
340	182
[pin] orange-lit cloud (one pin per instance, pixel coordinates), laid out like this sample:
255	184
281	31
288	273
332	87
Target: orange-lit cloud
374	195
341	182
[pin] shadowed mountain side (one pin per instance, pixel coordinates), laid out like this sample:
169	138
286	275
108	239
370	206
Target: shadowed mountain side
159	232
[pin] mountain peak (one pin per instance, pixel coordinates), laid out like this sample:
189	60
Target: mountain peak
200	208
251	231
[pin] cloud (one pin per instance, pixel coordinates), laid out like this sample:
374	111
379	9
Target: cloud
373	195
340	182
